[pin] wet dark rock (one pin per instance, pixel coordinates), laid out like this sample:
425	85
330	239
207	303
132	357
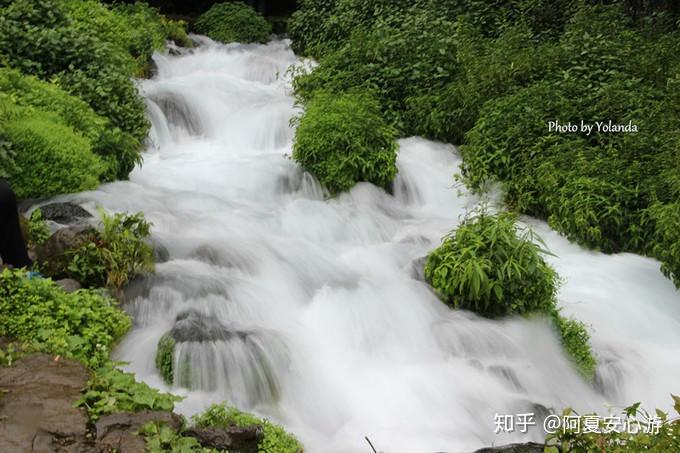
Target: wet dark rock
529	447
53	252
36	407
118	432
418	268
508	375
69	285
233	439
64	213
192	325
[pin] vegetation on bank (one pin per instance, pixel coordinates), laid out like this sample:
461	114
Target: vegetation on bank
643	432
490	266
70	113
276	439
492	75
234	22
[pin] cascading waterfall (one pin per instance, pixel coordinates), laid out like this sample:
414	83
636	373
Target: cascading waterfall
313	312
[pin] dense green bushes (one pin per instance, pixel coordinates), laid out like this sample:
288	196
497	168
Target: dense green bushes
342	139
490	267
234	22
165	357
493	75
49	157
83	325
276	439
90	52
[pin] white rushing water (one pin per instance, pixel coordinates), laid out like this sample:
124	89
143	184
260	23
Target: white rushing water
311	312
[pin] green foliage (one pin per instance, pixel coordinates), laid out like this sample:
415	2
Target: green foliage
114	255
82	325
165	354
575	340
650	437
342	139
665	243
49	157
112	390
488	266
276	439
233	22
160	438
38	231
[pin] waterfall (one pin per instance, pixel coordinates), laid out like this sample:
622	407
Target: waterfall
313	313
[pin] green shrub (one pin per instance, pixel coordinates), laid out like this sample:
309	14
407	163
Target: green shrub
342	139
50	158
486	265
664	219
40	38
117	149
233	22
112	390
37	229
114	255
160	438
276	439
82	325
165	354
575	340
643	433
400	56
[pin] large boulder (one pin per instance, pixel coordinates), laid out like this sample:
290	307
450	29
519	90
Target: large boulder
65	213
52	254
233	439
37	410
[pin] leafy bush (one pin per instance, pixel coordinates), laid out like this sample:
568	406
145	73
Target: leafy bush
114	255
276	439
37	229
488	266
660	436
342	139
112	390
117	149
575	340
82	325
234	22
664	219
165	354
49	157
160	438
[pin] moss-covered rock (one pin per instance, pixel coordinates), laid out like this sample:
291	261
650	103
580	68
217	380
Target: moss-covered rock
234	22
165	357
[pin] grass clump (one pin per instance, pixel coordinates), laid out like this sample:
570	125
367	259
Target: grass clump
489	266
82	325
342	139
276	439
234	22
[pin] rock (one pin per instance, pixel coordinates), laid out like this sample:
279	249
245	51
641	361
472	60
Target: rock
64	213
69	285
232	439
53	251
36	406
529	447
118	432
